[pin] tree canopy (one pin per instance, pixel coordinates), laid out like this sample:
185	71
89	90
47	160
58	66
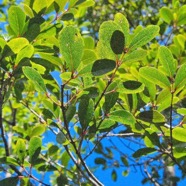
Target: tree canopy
88	79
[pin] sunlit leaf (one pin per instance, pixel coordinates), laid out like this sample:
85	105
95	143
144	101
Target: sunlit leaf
179	134
166	14
37	130
16	18
144	36
21	149
180	79
167	60
34	148
103	66
155	76
71	46
35	77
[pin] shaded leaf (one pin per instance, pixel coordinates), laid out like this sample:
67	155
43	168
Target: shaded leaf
132	85
117	42
62	180
114	175
103	66
107	124
99	161
70	113
151	116
35	77
110	100
144	36
60	138
13	181
67	17
143	152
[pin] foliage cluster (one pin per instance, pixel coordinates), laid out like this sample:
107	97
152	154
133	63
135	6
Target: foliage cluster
129	84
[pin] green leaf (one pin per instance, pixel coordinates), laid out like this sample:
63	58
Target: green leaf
182	19
89	57
151	116
34	148
135	55
155	76
60	138
16	18
143	152
89	42
70	113
144	36
17	44
71	46
62	180
100	161
103	66
107	124
67	17
35	77
167	60
179	152
121	20
130	87
180	79
85	4
110	100
39	6
117	42
179	134
21	149
166	14
37	130
114	176
13	181
123	117
85	111
106	31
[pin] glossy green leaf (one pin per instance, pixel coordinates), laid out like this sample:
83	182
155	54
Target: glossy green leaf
110	100
179	134
117	42
21	149
152	116
84	4
34	148
180	79
35	77
166	14
13	181
106	31
71	46
85	111
123	117
103	66
143	152
144	36
167	60
121	20
179	152
37	130
17	44
16	18
155	76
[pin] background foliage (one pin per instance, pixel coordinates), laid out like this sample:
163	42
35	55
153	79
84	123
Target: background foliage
83	79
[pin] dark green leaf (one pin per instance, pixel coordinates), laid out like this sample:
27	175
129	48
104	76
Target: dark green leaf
143	152
11	181
152	116
67	17
110	100
60	138
103	66
117	42
99	161
114	176
132	85
62	180
70	113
